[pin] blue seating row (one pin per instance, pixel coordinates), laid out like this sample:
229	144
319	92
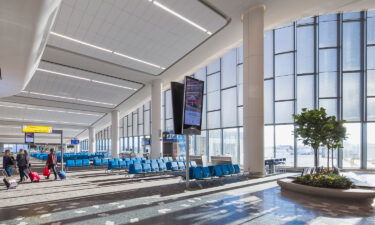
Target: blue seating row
200	172
157	166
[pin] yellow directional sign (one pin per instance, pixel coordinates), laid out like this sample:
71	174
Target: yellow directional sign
36	129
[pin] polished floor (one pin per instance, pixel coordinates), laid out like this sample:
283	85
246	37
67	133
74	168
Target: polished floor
93	197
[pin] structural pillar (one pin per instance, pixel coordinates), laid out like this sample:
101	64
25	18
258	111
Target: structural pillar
92	144
156	150
115	138
77	148
253	117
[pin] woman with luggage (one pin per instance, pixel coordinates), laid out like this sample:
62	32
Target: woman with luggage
8	163
22	164
52	162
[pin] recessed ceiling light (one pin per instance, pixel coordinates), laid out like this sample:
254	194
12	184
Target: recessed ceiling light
63	97
165	8
82	78
106	50
44	121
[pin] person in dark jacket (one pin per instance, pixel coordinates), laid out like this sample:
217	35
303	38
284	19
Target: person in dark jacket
52	162
22	164
8	163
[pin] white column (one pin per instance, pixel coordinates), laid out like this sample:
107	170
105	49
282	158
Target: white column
115	142
77	148
156	150
253	118
92	142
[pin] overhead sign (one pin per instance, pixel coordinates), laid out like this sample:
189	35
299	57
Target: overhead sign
29	138
36	129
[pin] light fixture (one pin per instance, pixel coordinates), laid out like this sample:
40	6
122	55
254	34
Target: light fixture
107	50
165	8
63	97
44	121
82	78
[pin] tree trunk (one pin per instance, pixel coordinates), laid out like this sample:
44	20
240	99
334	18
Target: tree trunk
332	159
316	158
328	158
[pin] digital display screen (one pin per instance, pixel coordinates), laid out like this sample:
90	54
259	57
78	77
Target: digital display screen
29	137
193	103
74	142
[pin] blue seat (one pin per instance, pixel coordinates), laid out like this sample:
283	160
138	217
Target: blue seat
160	160
146	168
181	165
97	162
206	172
217	171
113	165
154	166
231	169
224	169
69	163
193	164
86	162
166	159
78	162
196	173
135	168
105	162
170	159
122	164
146	161
172	165
237	169
162	166
126	159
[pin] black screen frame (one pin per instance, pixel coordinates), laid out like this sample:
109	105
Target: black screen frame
27	142
177	92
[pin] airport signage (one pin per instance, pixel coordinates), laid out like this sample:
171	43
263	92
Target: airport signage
36	129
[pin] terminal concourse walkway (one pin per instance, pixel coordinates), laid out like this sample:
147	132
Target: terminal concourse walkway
93	197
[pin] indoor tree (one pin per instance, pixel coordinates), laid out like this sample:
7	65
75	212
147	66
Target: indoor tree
311	128
336	136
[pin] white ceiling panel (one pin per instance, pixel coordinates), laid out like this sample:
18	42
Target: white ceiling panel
28	113
62	83
137	28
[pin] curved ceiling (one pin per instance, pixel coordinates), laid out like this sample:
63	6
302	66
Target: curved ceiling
24	26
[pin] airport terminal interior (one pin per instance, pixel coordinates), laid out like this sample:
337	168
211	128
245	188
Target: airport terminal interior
187	112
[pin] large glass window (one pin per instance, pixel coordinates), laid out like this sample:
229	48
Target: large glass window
268	54
305	49
230	143
284	87
351	46
371	145
352	146
285	143
305	92
268	142
328	85
214	144
351	96
284	39
328	34
229	107
268	101
229	69
284	111
327	60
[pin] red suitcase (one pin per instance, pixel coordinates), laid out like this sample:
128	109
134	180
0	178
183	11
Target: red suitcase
34	177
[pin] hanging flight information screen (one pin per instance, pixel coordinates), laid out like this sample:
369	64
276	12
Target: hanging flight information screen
193	104
29	138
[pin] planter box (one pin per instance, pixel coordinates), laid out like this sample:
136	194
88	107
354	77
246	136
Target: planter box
344	194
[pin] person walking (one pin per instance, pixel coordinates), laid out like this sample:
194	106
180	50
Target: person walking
52	162
22	164
8	163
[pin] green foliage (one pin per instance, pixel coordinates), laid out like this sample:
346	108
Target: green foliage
311	128
316	129
325	180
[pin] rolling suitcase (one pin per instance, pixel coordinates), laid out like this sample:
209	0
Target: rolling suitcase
34	176
9	182
46	172
61	174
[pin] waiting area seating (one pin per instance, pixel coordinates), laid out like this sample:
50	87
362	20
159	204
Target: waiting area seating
200	172
273	165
